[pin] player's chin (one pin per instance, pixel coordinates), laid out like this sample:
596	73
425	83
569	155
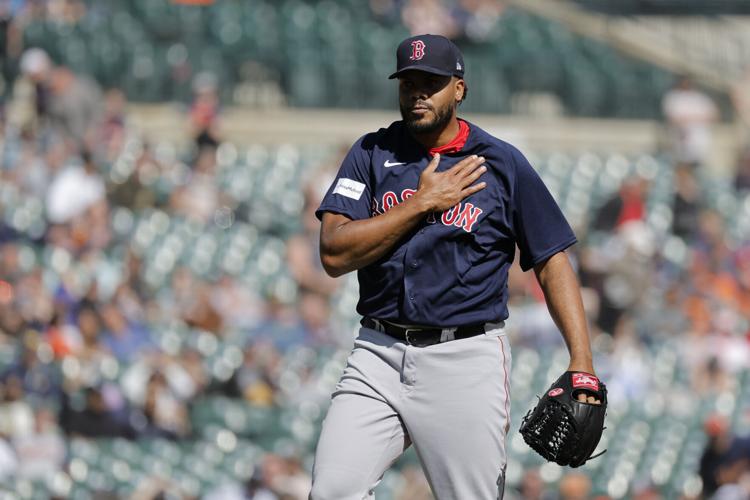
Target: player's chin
422	123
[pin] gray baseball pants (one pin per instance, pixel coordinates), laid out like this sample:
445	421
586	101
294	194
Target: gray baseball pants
451	400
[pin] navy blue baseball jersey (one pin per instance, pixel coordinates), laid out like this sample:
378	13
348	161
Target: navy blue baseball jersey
452	269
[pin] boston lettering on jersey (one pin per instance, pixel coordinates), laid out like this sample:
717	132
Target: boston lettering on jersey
452	269
463	215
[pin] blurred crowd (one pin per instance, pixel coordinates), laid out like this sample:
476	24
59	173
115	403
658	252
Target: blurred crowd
78	321
81	324
468	19
688	284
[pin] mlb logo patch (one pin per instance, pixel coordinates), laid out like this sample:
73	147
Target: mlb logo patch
585	381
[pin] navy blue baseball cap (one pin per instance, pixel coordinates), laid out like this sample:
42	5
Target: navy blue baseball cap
431	53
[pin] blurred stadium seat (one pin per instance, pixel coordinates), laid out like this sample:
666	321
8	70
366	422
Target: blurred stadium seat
317	54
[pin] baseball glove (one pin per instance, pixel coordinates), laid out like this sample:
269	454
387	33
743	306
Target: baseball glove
562	429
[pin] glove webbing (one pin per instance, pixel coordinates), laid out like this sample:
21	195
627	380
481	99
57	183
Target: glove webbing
553	432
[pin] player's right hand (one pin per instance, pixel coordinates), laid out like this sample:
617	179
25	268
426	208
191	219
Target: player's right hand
440	191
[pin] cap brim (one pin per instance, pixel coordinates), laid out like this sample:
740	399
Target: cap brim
419	67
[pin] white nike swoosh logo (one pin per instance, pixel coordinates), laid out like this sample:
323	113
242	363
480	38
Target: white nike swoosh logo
389	164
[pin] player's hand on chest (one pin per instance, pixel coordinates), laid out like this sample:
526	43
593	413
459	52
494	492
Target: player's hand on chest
444	189
442	184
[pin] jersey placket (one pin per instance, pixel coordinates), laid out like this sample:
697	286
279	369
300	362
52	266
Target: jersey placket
413	272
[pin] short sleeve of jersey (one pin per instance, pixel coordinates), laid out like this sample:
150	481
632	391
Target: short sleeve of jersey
349	195
539	225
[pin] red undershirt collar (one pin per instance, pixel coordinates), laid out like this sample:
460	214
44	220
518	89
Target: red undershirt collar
457	143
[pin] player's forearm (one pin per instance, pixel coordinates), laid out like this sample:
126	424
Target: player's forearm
354	244
563	296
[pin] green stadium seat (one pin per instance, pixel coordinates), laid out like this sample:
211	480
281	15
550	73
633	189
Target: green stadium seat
525	53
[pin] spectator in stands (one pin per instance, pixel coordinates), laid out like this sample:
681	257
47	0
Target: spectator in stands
126	341
531	487
66	11
725	458
76	201
166	415
6	21
8	460
169	382
28	11
137	191
199	198
30	102
112	132
620	269
285	477
575	486
41	453
742	173
645	491
27	167
91	352
129	303
740	94
239	306
690	113
99	231
257	377
61	336
535	327
478	18
191	301
32	299
204	111
315	319
11	323
386	11
75	105
687	202
96	419
16	414
192	363
257	489
290	324
303	257
627	205
712	378
741	266
37	378
10	266
429	16
711	241
714	304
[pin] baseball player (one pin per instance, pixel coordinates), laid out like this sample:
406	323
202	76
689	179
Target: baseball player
429	211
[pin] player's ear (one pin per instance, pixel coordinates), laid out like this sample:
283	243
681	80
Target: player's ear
460	90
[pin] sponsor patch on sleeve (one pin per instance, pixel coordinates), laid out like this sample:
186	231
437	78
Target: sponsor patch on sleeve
349	188
586	381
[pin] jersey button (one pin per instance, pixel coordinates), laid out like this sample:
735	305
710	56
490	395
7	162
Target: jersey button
411	297
414	264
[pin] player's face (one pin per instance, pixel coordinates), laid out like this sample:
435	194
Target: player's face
427	101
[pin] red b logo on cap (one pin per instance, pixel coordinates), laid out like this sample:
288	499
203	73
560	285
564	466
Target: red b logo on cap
417	50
